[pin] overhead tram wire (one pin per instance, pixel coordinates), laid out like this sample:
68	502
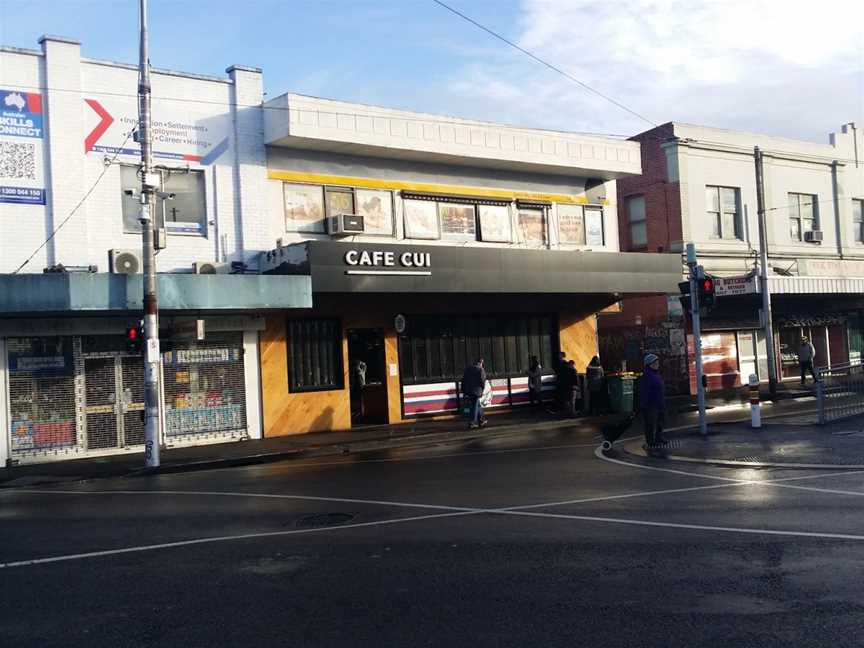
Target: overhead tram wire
546	63
106	166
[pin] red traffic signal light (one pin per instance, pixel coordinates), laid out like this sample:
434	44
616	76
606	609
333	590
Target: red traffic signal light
706	292
134	338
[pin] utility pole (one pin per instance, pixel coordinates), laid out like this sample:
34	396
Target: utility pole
697	272
767	320
150	181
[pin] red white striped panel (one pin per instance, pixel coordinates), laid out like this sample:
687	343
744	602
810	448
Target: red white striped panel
430	398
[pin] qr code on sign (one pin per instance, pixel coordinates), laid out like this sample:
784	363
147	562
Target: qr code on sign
17	160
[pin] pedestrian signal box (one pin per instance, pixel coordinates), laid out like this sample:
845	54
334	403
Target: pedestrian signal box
134	339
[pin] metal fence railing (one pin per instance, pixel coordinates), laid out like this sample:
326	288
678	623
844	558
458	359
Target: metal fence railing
840	393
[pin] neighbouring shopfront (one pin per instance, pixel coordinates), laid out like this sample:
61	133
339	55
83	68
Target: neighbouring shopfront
83	395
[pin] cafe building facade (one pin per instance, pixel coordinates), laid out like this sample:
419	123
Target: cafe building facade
430	242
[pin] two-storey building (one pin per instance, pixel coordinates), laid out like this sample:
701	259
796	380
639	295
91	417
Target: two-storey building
346	261
699	184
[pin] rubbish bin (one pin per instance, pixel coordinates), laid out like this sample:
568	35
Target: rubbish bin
620	393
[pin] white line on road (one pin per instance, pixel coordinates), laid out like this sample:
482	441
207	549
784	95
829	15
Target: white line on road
243	536
674	525
312	498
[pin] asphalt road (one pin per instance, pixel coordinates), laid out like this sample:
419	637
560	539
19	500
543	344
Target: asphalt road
521	541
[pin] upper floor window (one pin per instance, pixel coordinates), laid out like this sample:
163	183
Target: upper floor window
578	225
724	213
304	207
594	231
457	220
803	215
180	204
858	220
307	207
637	220
532	226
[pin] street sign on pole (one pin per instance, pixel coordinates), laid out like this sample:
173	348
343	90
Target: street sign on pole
697	272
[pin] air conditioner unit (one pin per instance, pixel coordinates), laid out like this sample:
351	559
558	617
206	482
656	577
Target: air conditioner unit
346	225
813	236
125	261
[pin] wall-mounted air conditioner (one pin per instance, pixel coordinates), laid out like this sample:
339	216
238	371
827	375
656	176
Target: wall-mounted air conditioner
346	225
813	236
125	261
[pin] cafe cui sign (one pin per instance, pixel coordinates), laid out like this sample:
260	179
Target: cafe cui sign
388	259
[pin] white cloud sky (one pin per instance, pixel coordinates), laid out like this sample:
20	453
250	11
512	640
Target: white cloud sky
781	67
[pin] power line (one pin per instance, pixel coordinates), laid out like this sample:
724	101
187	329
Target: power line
546	63
107	166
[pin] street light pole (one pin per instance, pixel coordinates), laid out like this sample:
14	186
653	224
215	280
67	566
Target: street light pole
767	320
149	187
695	272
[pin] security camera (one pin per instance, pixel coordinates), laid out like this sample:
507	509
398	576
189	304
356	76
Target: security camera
129	192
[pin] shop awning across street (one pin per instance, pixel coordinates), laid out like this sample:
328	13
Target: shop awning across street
336	267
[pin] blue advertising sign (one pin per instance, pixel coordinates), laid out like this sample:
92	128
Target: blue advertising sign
21	156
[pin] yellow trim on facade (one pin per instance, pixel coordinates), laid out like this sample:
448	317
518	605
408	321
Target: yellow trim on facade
424	187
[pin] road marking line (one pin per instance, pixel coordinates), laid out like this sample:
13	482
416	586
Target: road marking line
313	498
696	527
244	536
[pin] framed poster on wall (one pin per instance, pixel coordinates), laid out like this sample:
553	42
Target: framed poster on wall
421	219
532	229
458	222
571	225
495	223
376	208
304	208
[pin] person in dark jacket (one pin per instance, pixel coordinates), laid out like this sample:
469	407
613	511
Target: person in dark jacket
652	401
571	393
535	383
473	383
561	381
594	378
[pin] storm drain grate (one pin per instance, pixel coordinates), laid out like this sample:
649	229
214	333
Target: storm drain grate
311	520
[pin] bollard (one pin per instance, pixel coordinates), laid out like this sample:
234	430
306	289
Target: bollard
755	407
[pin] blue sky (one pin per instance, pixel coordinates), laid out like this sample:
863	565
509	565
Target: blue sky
790	68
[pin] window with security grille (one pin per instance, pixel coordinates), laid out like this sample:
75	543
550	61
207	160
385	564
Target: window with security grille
315	355
41	394
724	212
803	215
858	220
205	386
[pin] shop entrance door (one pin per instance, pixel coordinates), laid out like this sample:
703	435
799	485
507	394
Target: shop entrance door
114	401
367	376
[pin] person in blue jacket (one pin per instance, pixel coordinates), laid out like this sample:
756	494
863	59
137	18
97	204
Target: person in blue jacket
652	401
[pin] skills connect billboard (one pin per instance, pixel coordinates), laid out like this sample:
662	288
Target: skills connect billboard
22	170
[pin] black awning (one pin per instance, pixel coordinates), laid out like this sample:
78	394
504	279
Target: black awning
342	267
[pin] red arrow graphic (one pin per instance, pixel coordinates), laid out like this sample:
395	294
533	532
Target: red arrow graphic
101	127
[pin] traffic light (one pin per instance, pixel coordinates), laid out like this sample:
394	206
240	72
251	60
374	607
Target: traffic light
134	339
706	286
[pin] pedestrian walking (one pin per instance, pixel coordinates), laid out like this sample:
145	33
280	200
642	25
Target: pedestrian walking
535	382
473	384
652	401
806	358
595	378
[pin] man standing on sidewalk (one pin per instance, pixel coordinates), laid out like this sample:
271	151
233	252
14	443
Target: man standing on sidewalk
806	358
473	383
